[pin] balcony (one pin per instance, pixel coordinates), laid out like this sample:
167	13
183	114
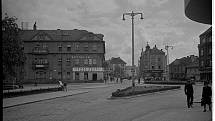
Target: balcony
39	51
40	64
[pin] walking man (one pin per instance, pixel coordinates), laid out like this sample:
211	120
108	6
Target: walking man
188	89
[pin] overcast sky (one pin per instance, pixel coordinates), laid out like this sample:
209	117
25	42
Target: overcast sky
164	23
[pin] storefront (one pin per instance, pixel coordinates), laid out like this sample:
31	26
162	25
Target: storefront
88	73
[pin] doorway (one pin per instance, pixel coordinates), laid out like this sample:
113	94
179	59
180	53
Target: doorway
94	77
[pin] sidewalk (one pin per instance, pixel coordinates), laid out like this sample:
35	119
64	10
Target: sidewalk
10	102
72	90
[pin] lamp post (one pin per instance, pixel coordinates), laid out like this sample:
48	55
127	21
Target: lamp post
167	64
132	14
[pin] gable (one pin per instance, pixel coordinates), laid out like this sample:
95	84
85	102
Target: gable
41	36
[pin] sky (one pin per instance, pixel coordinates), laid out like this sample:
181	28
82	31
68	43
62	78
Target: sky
164	23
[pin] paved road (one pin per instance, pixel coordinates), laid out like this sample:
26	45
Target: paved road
95	106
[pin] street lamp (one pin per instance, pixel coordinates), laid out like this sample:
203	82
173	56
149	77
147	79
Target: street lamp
132	14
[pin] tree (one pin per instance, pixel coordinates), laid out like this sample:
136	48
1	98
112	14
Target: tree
12	47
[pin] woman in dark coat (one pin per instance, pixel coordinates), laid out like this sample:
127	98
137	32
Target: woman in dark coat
206	96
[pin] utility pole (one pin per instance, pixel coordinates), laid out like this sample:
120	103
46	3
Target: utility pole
167	64
132	14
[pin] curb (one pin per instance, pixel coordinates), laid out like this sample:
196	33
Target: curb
44	100
139	95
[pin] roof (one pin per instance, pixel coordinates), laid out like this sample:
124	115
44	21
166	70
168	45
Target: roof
189	60
154	50
117	61
58	35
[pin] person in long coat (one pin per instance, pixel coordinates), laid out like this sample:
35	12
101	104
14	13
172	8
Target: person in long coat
206	96
188	89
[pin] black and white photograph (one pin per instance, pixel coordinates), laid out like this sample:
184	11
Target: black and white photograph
107	60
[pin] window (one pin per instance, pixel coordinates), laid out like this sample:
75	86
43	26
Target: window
202	63
94	47
90	61
68	73
59	73
201	52
210	38
68	62
159	67
210	51
203	40
68	47
77	61
152	67
159	59
59	48
85	61
210	64
59	59
77	46
94	61
86	47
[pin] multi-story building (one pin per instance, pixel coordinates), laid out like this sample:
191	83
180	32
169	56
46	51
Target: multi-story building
128	71
192	70
205	55
116	67
152	63
178	68
68	55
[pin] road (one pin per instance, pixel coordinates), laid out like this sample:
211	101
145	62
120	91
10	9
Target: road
96	106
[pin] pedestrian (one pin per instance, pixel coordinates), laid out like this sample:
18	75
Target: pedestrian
188	89
61	85
139	81
206	96
65	86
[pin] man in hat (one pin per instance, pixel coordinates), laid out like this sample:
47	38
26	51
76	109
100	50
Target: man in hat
188	89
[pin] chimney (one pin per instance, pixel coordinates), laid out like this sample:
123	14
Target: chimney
35	26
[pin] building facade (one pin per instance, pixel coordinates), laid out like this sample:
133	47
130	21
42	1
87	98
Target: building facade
152	63
68	55
192	70
128	71
182	68
116	67
205	55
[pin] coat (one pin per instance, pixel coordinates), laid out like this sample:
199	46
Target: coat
188	89
206	95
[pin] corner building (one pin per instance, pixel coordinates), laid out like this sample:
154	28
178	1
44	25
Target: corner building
152	63
68	55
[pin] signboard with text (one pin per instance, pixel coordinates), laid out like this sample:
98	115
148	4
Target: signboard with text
87	69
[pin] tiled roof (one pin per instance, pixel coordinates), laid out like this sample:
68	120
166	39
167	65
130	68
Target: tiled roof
117	61
57	35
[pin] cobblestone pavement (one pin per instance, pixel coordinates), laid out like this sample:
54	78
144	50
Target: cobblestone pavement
96	106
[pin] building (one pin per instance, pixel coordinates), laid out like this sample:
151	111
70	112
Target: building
178	68
116	67
152	63
68	55
128	71
192	70
205	55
